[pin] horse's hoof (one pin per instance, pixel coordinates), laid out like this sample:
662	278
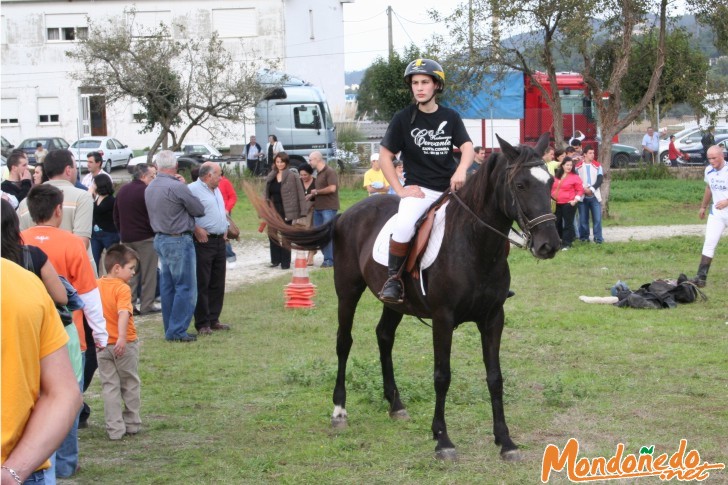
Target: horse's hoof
339	422
512	456
446	454
401	415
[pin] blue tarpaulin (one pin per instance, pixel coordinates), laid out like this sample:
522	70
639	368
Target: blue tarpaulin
498	100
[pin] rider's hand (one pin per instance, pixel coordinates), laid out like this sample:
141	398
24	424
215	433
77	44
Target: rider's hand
457	180
412	191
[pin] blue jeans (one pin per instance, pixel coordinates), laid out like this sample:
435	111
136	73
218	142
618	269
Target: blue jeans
177	282
321	217
101	240
37	478
593	206
229	253
66	456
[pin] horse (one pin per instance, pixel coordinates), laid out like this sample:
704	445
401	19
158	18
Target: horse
468	281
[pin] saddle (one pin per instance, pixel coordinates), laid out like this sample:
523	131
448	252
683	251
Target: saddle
423	228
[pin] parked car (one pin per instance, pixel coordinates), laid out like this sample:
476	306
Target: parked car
204	150
687	139
7	147
114	153
49	143
624	155
695	155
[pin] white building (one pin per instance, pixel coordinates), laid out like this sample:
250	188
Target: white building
40	99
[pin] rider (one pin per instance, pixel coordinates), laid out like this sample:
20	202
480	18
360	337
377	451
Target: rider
425	133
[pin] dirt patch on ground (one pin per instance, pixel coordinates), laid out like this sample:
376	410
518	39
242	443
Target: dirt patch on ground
253	257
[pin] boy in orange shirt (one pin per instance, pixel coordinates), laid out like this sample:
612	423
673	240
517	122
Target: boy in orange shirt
119	361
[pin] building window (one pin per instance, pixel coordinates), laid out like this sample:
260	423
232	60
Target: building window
66	27
67	34
10	111
48	109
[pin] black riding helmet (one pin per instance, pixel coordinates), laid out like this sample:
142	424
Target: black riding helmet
428	67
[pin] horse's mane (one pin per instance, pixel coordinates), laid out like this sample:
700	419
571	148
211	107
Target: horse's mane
477	188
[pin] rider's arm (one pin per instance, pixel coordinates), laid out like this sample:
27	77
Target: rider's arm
467	154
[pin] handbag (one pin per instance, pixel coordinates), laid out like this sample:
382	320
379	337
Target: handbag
553	200
233	231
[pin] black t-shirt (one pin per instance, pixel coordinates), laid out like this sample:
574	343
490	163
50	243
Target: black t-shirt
427	145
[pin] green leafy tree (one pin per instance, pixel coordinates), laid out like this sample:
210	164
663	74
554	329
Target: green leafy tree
179	83
683	77
382	91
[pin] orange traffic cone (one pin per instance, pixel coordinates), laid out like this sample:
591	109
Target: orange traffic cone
300	290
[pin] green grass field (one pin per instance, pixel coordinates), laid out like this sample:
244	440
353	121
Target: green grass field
253	405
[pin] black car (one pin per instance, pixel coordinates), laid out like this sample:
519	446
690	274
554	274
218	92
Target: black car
49	143
696	156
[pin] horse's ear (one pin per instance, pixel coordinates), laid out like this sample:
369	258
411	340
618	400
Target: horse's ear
507	148
542	144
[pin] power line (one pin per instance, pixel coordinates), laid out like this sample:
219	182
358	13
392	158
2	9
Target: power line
413	22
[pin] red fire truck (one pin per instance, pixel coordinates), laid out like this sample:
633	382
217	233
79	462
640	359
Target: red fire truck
514	108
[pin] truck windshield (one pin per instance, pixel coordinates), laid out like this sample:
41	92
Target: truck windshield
575	103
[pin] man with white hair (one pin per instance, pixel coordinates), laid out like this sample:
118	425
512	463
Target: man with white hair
374	180
716	178
172	210
325	200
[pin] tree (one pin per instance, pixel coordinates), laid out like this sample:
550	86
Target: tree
682	79
179	83
382	91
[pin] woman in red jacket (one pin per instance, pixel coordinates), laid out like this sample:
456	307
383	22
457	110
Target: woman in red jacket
567	191
230	198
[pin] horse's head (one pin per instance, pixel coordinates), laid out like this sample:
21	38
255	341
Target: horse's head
528	196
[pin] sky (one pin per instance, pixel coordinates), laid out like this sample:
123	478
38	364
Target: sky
365	27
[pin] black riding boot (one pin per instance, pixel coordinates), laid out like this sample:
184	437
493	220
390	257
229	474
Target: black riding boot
392	292
703	268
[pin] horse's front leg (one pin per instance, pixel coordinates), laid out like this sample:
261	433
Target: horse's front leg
490	336
386	330
442	329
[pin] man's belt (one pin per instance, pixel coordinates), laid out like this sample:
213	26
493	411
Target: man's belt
186	233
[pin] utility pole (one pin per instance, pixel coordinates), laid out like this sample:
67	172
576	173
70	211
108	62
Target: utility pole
389	27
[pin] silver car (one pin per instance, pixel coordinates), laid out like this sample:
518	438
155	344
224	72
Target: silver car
114	153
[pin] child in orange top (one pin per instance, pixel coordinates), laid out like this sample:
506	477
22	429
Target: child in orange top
119	361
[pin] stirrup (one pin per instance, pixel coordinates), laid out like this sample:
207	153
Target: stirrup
392	285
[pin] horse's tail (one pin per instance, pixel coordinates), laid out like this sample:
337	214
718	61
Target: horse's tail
292	237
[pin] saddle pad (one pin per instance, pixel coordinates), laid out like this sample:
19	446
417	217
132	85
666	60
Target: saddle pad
380	252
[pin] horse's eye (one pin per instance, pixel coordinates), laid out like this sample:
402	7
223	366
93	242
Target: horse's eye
520	186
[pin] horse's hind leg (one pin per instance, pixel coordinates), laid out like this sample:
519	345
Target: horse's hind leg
386	329
490	336
348	299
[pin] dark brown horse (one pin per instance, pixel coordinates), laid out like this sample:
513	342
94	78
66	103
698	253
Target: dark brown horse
468	281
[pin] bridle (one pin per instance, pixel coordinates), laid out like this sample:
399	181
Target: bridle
524	222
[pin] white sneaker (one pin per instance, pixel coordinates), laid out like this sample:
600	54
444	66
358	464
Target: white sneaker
232	265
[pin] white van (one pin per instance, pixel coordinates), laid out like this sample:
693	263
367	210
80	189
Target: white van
687	139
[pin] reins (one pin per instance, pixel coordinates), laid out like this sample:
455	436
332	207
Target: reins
483	223
525	223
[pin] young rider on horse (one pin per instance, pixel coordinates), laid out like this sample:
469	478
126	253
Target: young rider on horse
425	133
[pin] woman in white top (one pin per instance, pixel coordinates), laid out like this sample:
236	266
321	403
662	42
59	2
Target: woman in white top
274	147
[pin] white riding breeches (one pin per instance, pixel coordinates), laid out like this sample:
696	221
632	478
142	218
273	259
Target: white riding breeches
713	230
410	210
